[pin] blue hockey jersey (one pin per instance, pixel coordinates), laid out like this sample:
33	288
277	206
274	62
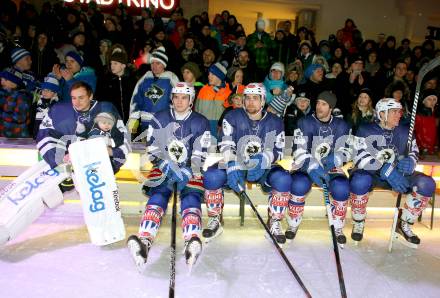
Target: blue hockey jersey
63	125
314	140
241	137
185	142
375	146
150	95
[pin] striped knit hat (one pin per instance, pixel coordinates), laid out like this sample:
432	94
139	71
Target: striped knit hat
159	55
218	70
18	53
51	83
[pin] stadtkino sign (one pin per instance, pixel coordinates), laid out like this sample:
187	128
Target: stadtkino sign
159	4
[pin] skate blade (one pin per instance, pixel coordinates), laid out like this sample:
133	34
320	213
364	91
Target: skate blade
218	233
139	261
402	240
191	262
356	243
281	245
341	245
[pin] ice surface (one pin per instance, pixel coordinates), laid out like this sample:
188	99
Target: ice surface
54	258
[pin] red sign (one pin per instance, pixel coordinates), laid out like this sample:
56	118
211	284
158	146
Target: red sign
134	6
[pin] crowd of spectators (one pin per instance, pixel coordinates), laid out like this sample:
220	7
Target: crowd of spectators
43	53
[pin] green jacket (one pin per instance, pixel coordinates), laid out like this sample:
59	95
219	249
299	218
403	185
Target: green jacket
261	55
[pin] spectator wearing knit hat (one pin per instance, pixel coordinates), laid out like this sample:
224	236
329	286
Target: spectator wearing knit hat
297	110
348	84
260	45
315	82
22	62
46	99
426	121
190	74
274	81
213	97
15	105
118	85
74	71
152	92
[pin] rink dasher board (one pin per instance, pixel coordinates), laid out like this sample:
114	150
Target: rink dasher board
96	184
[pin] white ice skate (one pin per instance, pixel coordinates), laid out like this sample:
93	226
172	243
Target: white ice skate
139	251
192	251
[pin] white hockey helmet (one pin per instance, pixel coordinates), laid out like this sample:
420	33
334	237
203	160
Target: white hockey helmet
256	88
386	104
184	88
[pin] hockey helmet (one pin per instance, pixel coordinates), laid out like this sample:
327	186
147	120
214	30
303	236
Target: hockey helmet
386	104
256	88
184	88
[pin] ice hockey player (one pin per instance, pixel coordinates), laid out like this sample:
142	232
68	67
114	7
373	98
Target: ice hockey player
177	143
381	161
68	120
321	146
252	140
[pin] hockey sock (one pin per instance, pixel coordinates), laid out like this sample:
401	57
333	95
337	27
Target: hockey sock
191	223
414	206
339	210
150	222
278	201
358	206
214	201
296	210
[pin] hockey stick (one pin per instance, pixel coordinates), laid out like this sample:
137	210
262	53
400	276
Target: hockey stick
173	244
425	69
244	196
335	244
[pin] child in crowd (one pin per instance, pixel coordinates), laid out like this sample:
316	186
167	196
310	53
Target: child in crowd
46	99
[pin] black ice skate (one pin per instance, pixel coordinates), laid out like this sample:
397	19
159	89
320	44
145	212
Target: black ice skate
340	237
66	185
214	228
291	233
193	249
276	230
139	249
357	233
403	229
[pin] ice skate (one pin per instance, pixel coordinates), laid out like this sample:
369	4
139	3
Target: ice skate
357	233
340	237
139	249
277	231
405	235
193	249
290	233
214	228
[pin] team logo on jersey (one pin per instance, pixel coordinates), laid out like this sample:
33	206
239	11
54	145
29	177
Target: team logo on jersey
177	151
386	155
47	123
154	93
322	150
252	148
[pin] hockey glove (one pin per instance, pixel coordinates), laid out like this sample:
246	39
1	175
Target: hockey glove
394	178
176	174
235	176
319	174
259	163
406	166
331	161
